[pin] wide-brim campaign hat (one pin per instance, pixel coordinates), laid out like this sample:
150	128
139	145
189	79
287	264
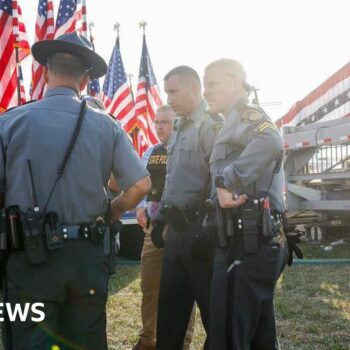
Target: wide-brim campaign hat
73	43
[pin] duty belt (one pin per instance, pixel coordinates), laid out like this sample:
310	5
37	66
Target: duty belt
82	231
92	232
247	223
179	218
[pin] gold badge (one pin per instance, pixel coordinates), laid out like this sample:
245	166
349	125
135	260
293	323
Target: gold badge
217	127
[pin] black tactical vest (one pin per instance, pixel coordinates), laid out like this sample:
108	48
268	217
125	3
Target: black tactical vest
156	166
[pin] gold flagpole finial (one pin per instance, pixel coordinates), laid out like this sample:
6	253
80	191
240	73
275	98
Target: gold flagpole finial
91	25
130	76
116	27
143	25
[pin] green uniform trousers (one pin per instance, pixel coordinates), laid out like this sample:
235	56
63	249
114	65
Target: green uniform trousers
73	285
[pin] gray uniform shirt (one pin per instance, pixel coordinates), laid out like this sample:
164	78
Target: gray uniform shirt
189	152
41	132
245	153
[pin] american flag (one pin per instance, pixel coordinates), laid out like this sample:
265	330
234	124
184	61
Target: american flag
82	14
68	17
116	93
12	33
94	87
147	101
22	90
330	100
44	30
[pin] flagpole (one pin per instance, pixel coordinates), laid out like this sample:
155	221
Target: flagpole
18	76
15	31
91	25
130	76
134	130
142	25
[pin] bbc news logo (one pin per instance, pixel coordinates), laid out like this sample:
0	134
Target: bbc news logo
22	312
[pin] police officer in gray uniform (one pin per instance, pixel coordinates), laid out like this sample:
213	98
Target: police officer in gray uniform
245	164
65	261
184	280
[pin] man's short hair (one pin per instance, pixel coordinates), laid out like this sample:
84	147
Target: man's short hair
65	64
230	67
165	108
185	73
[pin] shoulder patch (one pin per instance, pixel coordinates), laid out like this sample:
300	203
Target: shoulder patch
217	118
252	116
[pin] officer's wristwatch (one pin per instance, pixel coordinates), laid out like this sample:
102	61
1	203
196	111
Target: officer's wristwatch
220	181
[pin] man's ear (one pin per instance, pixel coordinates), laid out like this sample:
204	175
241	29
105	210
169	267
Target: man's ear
196	88
84	81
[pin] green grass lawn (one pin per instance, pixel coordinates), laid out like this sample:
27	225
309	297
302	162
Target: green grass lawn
312	305
312	309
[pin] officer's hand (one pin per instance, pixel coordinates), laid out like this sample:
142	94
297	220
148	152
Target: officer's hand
157	233
293	239
141	217
229	200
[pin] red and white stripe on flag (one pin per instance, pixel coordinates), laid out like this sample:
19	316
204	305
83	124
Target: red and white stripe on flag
147	101
12	33
329	101
81	12
44	30
121	106
116	93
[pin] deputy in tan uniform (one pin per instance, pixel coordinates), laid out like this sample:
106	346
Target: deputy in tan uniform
155	159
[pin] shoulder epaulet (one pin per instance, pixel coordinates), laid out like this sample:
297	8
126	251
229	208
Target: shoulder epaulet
23	104
216	119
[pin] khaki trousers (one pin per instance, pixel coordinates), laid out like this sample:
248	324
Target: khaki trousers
151	267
